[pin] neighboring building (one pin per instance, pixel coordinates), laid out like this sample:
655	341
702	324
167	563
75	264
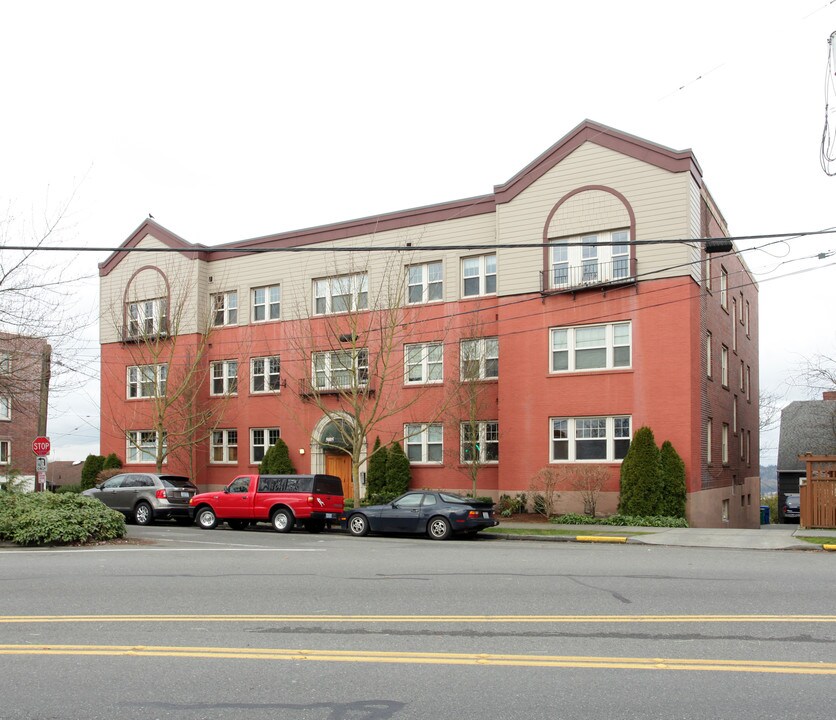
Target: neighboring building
566	309
63	472
24	392
807	427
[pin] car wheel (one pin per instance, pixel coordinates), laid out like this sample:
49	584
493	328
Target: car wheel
206	518
315	526
143	514
439	528
237	524
183	522
358	525
282	521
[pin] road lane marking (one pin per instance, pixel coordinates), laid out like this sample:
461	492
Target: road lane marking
424	618
419	658
240	548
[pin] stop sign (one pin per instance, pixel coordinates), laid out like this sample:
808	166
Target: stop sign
40	446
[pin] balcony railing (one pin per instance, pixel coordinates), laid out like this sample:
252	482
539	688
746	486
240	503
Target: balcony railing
136	331
563	277
307	390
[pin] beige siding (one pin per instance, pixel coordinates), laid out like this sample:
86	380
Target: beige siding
696	229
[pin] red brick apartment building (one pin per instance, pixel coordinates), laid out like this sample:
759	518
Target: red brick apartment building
24	389
538	325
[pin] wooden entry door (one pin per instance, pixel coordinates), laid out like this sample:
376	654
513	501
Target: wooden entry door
340	465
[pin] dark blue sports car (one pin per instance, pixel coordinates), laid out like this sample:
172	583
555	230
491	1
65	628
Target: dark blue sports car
438	514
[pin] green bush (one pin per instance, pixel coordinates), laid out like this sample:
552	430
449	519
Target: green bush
397	471
622	520
93	465
277	460
112	462
68	488
53	519
771	501
376	474
380	498
641	482
672	471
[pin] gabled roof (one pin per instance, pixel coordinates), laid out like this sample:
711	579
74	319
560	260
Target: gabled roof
588	131
806	426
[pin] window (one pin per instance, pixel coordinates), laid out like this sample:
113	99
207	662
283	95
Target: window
724	288
480	442
479	275
734	415
341	369
423	363
264	374
5	363
589	259
224	446
267	303
748	447
742	444
725	444
424	442
734	324
261	440
708	363
5	408
603	439
147	318
742	378
479	359
5	451
147	381
746	318
706	265
591	347
340	294
425	283
225	377
142	446
748	383
709	431
724	366
225	308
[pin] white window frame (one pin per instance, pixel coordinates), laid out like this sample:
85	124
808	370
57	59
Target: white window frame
724	444
748	384
427	280
733	316
268	300
566	340
142	447
423	363
617	428
746	318
225	308
147	318
483	269
270	374
5	452
5	363
226	441
487	442
225	372
599	256
709	431
269	436
724	288
485	351
425	440
5	408
724	366
354	286
323	368
140	377
709	370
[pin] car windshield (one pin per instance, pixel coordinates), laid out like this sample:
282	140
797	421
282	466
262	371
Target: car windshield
175	481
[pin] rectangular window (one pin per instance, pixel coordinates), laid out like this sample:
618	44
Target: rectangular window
225	308
708	363
142	446
264	374
479	359
748	447
147	318
746	318
424	442
480	442
591	347
734	324
5	451
267	303
261	440
479	275
748	383
742	444
425	283
341	369
734	415
600	439
342	293
5	363
147	381
224	446
225	377
5	408
742	378
724	366
706	271
725	443
724	288
709	431
590	259
423	363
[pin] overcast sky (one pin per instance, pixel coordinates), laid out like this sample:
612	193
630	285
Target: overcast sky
229	121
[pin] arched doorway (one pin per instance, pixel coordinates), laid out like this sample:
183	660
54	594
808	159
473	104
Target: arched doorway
329	451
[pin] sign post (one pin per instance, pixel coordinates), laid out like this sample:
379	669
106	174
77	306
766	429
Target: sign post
41	448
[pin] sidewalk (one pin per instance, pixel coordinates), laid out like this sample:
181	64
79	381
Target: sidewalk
768	537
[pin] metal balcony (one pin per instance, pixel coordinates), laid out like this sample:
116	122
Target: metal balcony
564	277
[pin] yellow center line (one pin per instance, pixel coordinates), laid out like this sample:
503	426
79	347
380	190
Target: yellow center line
480	659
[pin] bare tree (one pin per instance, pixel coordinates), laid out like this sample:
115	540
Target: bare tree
588	481
816	374
544	485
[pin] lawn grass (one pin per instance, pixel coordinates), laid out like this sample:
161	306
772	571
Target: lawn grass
572	533
817	539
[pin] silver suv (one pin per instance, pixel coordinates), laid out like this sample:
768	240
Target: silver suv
145	497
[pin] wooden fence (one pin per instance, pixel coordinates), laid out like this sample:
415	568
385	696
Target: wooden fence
818	492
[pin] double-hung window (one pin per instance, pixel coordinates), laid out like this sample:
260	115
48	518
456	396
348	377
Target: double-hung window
424	442
261	440
602	439
267	303
425	283
724	366
708	361
147	381
5	408
479	358
225	308
147	318
142	446
265	374
5	363
225	377
589	259
591	347
5	451
479	275
725	443
224	446
423	363
342	293
341	369
480	442
724	288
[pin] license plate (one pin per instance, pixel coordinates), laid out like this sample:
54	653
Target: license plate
185	494
330	516
486	514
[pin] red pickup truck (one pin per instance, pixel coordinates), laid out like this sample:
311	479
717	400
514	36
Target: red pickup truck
281	500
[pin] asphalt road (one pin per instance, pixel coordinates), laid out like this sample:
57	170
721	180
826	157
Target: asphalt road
225	624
